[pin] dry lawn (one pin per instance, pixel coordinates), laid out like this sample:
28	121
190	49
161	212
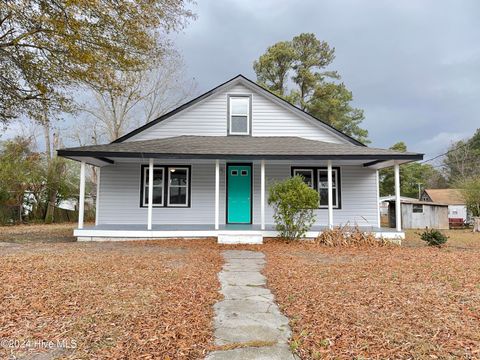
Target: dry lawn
38	233
404	302
133	300
144	300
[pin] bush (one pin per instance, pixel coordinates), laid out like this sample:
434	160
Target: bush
293	203
434	237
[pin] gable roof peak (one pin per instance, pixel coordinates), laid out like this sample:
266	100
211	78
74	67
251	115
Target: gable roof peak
255	87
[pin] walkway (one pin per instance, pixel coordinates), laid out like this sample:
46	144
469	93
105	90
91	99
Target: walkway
248	319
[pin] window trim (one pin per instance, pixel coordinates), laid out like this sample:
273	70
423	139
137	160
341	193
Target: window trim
166	187
182	186
229	115
315	170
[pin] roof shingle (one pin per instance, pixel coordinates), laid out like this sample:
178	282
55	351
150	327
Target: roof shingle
228	146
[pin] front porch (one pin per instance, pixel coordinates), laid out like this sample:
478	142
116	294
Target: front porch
204	186
108	232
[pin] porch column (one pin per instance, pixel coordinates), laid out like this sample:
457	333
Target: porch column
217	193
379	219
330	194
150	194
262	194
97	202
398	207
81	198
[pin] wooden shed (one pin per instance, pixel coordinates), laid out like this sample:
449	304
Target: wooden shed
420	214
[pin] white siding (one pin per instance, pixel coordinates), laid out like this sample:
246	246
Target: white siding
358	192
209	118
120	196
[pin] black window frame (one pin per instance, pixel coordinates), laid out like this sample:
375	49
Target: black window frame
166	186
315	170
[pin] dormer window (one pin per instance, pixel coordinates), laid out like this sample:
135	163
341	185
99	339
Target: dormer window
239	112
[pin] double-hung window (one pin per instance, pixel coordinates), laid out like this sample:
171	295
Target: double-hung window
239	115
158	175
171	186
178	186
323	187
317	178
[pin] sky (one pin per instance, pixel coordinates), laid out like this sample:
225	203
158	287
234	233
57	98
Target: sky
413	66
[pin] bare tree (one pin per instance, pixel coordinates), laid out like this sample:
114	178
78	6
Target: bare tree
153	92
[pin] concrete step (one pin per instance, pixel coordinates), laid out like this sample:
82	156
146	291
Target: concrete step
240	238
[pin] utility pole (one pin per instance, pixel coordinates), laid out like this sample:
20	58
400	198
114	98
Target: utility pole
419	190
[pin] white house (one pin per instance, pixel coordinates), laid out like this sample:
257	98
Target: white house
204	170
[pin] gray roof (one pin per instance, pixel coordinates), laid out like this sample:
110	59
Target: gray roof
232	147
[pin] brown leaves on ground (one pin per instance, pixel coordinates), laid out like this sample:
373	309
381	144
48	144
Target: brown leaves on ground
382	302
116	300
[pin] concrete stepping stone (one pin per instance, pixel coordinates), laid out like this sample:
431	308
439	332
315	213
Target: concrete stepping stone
276	352
248	315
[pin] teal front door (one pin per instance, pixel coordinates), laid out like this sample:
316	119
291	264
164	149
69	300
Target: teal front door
239	194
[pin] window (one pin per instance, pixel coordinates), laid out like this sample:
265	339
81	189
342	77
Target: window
306	174
178	186
317	178
417	208
239	115
157	186
169	182
323	187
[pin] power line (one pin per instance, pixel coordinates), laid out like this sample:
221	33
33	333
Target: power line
445	153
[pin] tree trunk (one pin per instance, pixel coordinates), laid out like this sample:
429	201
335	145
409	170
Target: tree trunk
51	183
52	200
476	224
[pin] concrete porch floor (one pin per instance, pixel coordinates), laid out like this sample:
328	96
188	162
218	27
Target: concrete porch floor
139	231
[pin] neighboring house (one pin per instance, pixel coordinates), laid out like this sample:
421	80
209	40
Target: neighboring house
204	170
457	209
417	214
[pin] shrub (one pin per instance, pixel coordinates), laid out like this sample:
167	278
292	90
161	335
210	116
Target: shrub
434	237
349	236
293	203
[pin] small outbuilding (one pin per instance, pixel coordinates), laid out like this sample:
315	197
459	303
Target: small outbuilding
420	214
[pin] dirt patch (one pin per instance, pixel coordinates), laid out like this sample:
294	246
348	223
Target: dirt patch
116	300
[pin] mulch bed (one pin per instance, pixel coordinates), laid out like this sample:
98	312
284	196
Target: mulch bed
392	302
136	300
